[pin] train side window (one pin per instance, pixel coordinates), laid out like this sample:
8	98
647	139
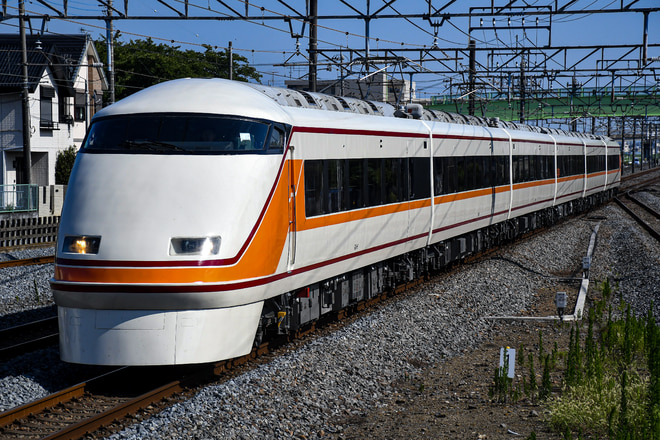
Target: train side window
374	182
460	174
472	173
533	167
437	176
487	171
276	141
612	161
393	180
356	183
545	167
475	174
449	175
313	187
503	175
552	168
516	169
526	168
420	177
336	200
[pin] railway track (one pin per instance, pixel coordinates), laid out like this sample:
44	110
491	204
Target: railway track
643	214
122	393
30	336
24	338
103	400
82	408
27	261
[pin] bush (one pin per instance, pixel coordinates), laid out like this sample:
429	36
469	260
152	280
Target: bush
64	165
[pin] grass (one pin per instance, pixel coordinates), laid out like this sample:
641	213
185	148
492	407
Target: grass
609	376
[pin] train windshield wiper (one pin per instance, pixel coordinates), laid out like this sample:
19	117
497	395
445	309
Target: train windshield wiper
150	145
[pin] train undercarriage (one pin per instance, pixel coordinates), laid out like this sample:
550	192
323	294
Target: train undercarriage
294	310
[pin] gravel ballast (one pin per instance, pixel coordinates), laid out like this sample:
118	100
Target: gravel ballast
312	391
25	289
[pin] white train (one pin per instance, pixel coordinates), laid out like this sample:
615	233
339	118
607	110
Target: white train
203	213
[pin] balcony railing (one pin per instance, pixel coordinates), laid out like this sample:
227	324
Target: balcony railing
18	198
49	125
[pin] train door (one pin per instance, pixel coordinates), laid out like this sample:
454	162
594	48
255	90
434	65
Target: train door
292	179
585	175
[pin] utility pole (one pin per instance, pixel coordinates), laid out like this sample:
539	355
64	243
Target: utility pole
111	55
27	153
313	43
230	49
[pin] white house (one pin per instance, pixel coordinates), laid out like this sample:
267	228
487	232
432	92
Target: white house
66	83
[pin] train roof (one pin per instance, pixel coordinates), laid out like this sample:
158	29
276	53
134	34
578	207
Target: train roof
215	95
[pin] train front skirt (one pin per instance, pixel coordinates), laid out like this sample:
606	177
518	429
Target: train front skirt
156	337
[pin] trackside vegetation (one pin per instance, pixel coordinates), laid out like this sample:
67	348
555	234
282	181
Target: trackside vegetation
604	385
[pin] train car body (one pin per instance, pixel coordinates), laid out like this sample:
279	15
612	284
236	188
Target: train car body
202	214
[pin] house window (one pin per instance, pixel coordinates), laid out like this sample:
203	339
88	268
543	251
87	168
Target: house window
46	107
79	112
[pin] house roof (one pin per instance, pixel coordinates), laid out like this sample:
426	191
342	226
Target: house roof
63	54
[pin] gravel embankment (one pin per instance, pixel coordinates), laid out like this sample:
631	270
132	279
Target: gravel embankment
24	291
25	296
310	392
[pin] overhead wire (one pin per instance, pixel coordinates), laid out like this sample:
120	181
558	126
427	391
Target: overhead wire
263	73
497	42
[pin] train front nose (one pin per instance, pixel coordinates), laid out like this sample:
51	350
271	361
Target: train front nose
147	263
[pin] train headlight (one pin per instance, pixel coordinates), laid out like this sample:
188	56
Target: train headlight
81	244
202	246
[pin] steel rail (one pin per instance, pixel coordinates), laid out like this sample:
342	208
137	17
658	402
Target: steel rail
43	334
646	207
10	416
655	234
79	429
28	261
25	347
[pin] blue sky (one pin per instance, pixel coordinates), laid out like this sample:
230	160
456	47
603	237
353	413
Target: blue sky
265	43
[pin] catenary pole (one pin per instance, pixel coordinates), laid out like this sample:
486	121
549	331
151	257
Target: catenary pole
313	43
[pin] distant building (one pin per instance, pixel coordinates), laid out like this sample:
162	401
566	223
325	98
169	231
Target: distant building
378	87
65	82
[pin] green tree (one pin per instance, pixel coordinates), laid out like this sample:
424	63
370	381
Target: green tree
143	63
63	165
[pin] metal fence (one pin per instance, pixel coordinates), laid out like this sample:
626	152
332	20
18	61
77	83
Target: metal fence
18	198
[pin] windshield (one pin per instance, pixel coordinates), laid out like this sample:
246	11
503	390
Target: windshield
188	133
